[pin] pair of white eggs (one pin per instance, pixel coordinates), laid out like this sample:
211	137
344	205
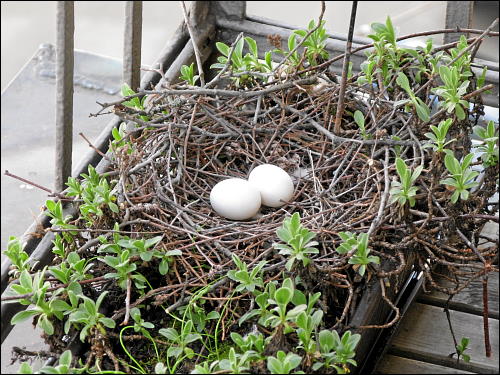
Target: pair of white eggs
239	199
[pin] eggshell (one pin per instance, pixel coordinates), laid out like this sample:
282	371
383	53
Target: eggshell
274	184
235	199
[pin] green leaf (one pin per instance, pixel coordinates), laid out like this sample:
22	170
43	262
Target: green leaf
359	118
283	296
403	81
23	315
46	325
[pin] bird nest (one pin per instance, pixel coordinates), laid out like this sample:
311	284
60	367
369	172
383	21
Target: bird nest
185	140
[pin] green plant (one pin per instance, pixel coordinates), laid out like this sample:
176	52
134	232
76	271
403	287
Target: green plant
180	340
125	270
283	363
18	257
43	309
298	239
247	280
360	120
461	348
87	314
73	269
438	136
187	74
135	103
235	363
403	190
120	139
489	148
423	111
55	211
197	314
461	176
314	43
307	324
64	366
242	66
206	367
253	343
279	316
361	258
337	352
262	301
143	248
452	91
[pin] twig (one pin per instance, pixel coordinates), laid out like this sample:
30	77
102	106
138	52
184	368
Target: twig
195	45
53	193
345	66
486	329
127	301
93	147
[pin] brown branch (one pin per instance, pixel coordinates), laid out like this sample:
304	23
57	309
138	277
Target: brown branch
345	66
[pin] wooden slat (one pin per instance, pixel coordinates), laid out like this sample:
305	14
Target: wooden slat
392	364
469	300
424	335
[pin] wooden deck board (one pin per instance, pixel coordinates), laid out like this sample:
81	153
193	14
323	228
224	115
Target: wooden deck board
424	335
469	300
392	364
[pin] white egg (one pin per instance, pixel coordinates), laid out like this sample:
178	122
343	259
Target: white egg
274	184
235	199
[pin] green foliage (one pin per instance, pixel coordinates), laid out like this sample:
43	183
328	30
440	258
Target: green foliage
120	139
95	192
361	258
298	241
243	66
235	363
307	324
247	280
72	269
125	270
403	190
283	363
253	343
180	340
452	91
44	309
489	146
423	111
88	317
280	315
143	248
187	74
135	102
197	314
17	256
337	352
314	43
360	120
64	366
438	136
461	177
462	347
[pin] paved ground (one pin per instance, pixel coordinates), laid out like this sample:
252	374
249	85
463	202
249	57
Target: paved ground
27	115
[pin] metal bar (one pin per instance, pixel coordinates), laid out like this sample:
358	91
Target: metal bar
458	14
132	44
64	91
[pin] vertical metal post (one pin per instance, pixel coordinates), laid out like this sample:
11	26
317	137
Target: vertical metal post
132	44
64	91
458	14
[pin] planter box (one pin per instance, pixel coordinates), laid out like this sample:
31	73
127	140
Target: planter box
222	22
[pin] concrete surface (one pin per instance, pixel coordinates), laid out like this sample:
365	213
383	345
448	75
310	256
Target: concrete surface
27	116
